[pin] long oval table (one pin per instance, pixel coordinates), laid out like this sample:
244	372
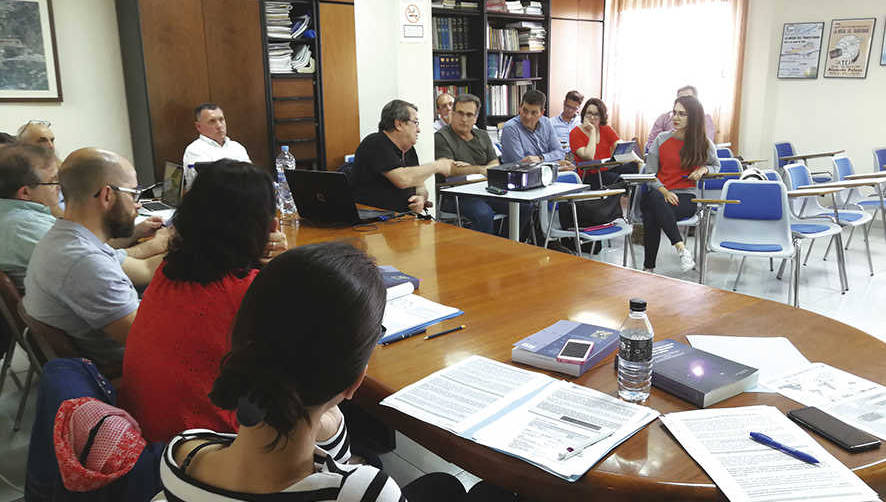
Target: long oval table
510	290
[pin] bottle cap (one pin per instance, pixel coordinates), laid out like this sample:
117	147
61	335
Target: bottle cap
638	305
284	148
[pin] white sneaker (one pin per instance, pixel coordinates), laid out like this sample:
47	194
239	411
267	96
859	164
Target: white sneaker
686	261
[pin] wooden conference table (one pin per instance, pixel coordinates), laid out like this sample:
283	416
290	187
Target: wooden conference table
510	290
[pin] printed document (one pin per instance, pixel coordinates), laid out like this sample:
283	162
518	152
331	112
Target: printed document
772	356
410	313
747	471
522	413
850	398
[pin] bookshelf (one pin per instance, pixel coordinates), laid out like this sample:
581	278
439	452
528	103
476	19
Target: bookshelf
487	60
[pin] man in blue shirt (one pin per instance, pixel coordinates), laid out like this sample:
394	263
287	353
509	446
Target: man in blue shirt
566	121
530	136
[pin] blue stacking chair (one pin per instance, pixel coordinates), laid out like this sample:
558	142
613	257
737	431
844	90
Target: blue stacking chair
786	149
724	153
549	211
880	159
759	226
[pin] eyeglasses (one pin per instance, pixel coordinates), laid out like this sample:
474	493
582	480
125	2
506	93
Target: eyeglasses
414	122
136	193
49	183
681	114
592	114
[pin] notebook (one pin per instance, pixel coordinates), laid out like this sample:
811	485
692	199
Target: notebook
323	198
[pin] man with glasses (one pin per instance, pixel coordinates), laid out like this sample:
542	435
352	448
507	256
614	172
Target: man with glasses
37	132
568	119
78	283
530	137
386	172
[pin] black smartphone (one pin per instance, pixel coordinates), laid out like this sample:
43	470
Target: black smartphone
845	435
496	190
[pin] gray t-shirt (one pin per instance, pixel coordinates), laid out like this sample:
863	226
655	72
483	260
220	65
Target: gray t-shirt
75	283
479	151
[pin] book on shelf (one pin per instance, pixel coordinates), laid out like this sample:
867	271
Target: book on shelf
515	7
504	99
450	67
407	314
697	376
541	348
450	34
452	90
524	414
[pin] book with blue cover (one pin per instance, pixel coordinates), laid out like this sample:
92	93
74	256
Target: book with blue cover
541	349
391	276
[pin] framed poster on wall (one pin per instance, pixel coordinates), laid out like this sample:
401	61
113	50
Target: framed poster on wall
28	59
800	50
883	50
849	48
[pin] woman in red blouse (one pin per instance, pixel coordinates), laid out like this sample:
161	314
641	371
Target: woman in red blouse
182	328
594	139
678	158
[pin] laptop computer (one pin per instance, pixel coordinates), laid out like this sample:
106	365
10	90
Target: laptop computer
172	194
323	198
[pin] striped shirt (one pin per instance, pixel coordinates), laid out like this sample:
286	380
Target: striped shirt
331	481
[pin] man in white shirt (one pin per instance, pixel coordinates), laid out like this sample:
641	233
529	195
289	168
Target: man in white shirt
568	119
213	143
444	110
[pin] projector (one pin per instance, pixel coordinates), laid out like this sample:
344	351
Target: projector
522	175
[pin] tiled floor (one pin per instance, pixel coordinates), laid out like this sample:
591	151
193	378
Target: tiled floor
819	292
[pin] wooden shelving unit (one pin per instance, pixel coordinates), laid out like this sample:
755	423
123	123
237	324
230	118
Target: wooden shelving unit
477	78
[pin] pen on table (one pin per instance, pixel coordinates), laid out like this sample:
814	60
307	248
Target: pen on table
435	335
572	451
768	441
403	337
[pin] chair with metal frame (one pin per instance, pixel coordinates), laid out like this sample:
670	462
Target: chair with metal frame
12	324
798	175
786	149
549	213
844	171
759	225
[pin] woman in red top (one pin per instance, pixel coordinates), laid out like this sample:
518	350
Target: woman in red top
594	139
679	158
181	331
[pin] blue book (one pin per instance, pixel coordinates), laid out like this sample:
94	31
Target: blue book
391	276
541	349
410	314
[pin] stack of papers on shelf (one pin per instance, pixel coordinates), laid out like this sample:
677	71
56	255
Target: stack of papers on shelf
280	57
525	414
531	35
279	24
407	314
719	440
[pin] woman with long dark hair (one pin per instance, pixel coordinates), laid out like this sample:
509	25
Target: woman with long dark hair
283	376
222	234
678	159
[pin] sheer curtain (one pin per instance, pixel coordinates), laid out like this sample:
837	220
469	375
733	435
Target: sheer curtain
654	47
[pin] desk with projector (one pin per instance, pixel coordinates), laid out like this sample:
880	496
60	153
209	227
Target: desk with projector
510	290
515	198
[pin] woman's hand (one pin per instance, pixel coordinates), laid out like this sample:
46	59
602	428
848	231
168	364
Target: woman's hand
589	128
670	197
277	243
698	173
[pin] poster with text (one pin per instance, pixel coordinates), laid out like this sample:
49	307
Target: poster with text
849	48
413	19
883	50
800	50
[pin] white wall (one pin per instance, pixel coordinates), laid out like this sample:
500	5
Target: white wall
816	115
389	69
93	112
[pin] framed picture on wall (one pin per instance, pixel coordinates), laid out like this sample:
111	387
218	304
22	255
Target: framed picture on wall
28	59
800	50
883	50
849	48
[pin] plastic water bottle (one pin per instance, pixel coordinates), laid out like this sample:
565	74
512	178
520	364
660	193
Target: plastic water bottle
285	204
635	354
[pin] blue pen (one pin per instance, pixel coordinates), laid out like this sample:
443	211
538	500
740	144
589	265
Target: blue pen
768	441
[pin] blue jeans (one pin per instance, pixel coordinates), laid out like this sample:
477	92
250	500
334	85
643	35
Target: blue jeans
479	211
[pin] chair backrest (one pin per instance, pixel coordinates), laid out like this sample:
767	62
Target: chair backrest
783	149
544	209
771	175
9	304
728	165
49	342
842	167
724	153
762	217
798	175
880	159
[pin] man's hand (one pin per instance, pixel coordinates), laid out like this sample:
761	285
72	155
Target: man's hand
147	227
417	203
160	241
459	163
276	245
531	158
565	165
444	166
698	173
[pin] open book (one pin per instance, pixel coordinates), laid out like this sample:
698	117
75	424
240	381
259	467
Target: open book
407	314
555	425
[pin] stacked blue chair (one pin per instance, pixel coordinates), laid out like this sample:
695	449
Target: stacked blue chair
786	149
724	152
880	159
759	226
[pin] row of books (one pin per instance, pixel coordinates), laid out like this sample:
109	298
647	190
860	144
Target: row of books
452	90
455	4
450	67
509	66
502	39
514	7
451	34
519	36
505	99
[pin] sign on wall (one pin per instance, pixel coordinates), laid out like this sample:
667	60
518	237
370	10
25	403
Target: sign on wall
412	21
800	50
849	48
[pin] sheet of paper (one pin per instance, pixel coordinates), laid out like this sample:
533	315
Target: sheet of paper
399	291
565	415
747	471
466	394
850	398
772	356
409	311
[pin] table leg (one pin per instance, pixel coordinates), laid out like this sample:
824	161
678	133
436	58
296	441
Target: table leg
702	231
514	220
